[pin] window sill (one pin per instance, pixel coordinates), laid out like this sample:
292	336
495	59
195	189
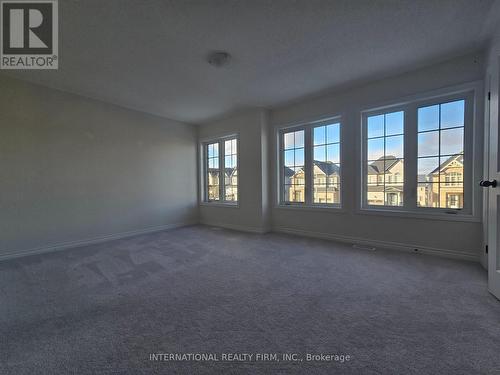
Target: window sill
335	209
419	215
220	204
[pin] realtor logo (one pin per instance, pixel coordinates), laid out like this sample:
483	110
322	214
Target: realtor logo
29	34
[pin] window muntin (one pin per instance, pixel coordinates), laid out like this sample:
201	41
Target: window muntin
310	164
294	167
385	159
221	170
440	156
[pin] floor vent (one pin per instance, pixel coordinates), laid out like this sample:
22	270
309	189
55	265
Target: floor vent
363	247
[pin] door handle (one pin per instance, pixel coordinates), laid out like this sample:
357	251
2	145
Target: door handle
486	183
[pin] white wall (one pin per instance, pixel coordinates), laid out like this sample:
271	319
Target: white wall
252	212
452	237
74	169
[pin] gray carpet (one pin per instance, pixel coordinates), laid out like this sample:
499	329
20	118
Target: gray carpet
103	309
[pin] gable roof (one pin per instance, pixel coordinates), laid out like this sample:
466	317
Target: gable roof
327	167
289	172
459	158
377	167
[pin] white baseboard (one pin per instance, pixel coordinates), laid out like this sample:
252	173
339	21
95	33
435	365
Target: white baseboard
89	241
241	228
381	244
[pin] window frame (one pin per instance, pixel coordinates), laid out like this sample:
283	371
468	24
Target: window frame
308	128
222	186
410	108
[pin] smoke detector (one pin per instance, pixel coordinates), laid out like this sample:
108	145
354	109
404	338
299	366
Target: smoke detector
219	58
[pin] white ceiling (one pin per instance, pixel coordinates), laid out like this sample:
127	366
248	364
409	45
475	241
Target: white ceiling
150	55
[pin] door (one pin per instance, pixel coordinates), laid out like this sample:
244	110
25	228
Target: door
492	185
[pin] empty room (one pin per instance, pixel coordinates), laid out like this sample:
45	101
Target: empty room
249	187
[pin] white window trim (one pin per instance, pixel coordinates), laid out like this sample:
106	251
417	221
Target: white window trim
308	127
470	92
203	175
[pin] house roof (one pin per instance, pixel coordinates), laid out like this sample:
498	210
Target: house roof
228	171
459	158
327	167
289	172
377	167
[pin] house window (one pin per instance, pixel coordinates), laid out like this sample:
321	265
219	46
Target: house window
453	201
441	129
384	159
431	138
221	170
310	164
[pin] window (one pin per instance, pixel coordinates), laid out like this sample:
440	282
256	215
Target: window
430	141
221	170
385	159
310	164
441	154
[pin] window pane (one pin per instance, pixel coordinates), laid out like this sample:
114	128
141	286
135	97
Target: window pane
375	126
326	194
288	141
452	114
235	161
228	162
428	169
227	147
333	153
427	195
375	148
452	141
333	133
394	195
289	158
428	144
213	163
299	156
451	196
452	170
428	118
375	195
234	146
394	123
320	135
296	193
394	146
299	138
213	185
231	193
320	153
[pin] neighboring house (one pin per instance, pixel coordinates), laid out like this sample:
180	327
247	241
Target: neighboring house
444	186
385	181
